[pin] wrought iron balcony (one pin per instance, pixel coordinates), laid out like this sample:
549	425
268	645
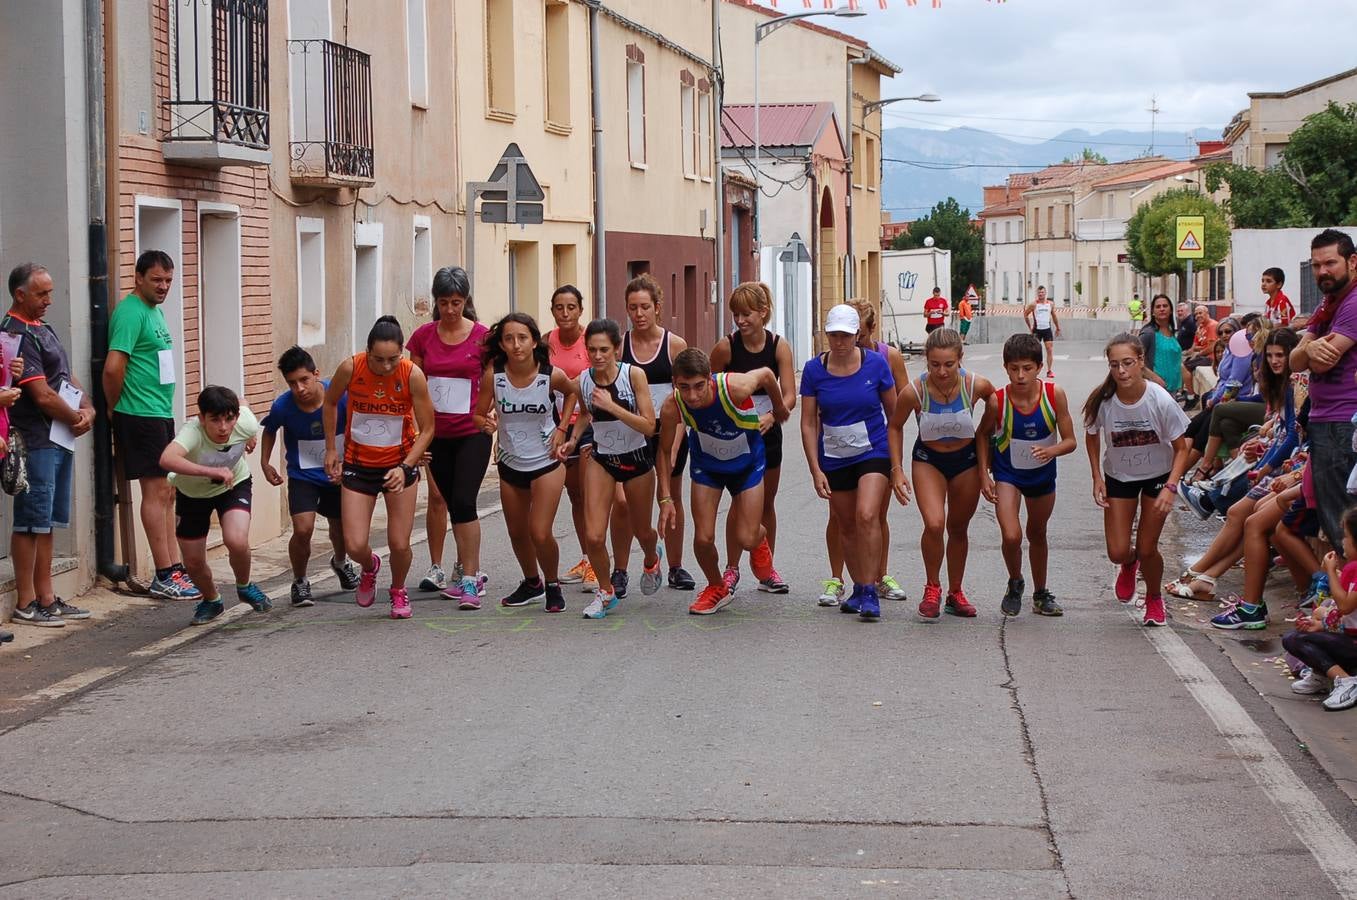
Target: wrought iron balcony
219	83
331	115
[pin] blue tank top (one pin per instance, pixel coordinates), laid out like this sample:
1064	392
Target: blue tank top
1020	433
723	437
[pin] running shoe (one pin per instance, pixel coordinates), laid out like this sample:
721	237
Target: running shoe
1311	682
468	593
1011	605
37	614
590	580
481	580
761	560
680	580
575	574
61	608
1043	603
1154	612
600	605
890	589
619	582
650	576
529	590
301	593
180	575
367	584
852	604
1198	501
713	598
1316	592
555	599
172	588
1050	373
832	594
773	584
731	578
254	595
348	573
958	605
400	602
1241	615
1126	582
1343	695
207	610
435	579
930	607
869	606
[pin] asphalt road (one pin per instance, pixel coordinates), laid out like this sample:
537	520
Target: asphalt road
776	749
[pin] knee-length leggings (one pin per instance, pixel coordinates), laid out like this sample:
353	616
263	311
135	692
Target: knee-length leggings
1322	650
458	467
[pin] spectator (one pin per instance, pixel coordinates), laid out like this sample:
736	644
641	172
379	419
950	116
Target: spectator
1161	347
47	503
1137	310
1201	355
1326	352
139	379
1277	308
1187	326
965	315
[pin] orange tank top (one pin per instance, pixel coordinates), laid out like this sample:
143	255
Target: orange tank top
381	426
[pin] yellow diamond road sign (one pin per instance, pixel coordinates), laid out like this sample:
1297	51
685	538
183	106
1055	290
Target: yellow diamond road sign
1191	237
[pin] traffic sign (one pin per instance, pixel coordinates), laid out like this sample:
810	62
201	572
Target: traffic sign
512	175
1191	237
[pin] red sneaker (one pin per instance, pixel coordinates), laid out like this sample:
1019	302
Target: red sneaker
930	605
761	561
1154	612
712	599
1126	582
958	605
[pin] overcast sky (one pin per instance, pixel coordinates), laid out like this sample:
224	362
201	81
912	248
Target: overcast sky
1095	64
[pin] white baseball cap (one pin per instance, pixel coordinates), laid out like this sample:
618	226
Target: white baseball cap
843	318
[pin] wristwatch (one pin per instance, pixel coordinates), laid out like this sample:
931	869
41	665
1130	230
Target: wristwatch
409	471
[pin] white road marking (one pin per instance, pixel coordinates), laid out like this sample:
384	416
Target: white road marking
1313	825
193	632
67	686
1062	356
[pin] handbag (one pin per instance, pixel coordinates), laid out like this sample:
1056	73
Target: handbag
14	467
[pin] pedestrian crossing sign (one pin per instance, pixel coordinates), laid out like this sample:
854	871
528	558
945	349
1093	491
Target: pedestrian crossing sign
1191	230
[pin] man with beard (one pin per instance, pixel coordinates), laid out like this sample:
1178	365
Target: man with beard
1327	353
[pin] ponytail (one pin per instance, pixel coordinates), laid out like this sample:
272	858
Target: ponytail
386	328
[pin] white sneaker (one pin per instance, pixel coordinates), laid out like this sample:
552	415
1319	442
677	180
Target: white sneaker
1343	695
599	606
434	580
1310	682
833	592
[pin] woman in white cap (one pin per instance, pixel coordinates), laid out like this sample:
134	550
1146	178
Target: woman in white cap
849	395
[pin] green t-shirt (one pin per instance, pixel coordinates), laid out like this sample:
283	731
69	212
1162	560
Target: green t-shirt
138	329
200	450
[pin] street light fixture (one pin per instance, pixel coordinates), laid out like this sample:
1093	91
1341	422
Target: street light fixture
869	108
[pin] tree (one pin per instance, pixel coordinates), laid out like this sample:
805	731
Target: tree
1314	184
1152	233
950	227
1088	155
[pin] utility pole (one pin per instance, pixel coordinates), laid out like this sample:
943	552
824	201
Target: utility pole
1154	119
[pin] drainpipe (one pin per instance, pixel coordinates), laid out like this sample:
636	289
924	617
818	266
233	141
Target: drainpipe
814	259
96	40
718	173
596	113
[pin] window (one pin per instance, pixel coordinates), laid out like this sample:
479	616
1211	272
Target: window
687	127
1065	220
556	16
563	264
219	287
1020	229
367	278
421	275
859	163
1008	238
1006	287
1050	221
499	56
706	152
417	51
636	106
869	177
310	282
522	275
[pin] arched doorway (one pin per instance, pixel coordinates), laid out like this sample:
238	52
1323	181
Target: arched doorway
831	280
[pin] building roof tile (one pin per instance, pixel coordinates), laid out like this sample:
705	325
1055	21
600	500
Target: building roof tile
780	124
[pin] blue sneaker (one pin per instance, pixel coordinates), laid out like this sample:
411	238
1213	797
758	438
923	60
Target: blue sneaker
1242	615
853	603
869	607
252	594
207	610
1316	592
619	580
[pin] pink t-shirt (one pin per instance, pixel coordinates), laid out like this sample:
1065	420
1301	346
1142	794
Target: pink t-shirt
454	373
571	360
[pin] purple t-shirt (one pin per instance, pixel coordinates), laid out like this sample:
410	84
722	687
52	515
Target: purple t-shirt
1333	394
454	373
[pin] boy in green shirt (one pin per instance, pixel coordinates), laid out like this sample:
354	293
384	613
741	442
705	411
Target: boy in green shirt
206	462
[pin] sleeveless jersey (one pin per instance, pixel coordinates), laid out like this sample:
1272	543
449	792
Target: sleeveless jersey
659	370
526	419
1041	314
611	437
381	425
743	360
723	437
571	360
1022	432
946	421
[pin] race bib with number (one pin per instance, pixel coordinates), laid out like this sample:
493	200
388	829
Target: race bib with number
372	430
451	396
946	426
222	459
167	369
722	448
615	438
763	404
311	454
1139	463
658	394
1020	452
846	441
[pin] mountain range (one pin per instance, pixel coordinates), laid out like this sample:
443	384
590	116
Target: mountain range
910	189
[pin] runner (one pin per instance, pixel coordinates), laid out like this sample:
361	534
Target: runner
566	343
728	454
448	352
1030	427
1041	318
652	348
389	425
616	398
520	385
297	412
848	396
435	523
1145	457
751	346
936	309
947	462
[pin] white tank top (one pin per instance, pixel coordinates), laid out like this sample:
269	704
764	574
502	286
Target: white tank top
611	437
1041	314
526	417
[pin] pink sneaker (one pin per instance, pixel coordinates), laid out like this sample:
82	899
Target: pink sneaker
731	578
367	584
1154	612
400	603
1126	582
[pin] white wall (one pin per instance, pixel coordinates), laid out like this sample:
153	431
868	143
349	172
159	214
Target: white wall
1254	249
907	280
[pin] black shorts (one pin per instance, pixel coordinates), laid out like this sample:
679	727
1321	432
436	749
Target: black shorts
929	329
1030	491
653	444
368	480
523	480
772	448
309	497
586	441
195	515
1045	335
1301	520
847	477
1131	490
141	440
623	467
950	463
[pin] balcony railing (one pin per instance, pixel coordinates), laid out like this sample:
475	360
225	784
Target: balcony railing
219	82
331	114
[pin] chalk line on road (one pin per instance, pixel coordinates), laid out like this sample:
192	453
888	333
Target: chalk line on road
62	688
